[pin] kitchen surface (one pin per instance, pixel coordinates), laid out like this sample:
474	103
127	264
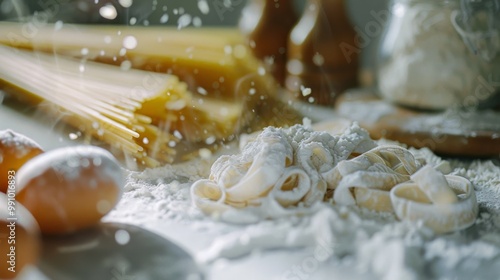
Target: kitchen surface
258	139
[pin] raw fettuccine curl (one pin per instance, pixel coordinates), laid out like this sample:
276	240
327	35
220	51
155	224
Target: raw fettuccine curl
371	176
444	203
276	173
389	179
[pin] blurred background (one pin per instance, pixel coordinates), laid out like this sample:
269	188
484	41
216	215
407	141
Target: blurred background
179	12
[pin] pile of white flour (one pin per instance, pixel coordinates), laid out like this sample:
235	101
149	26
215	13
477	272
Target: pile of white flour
369	244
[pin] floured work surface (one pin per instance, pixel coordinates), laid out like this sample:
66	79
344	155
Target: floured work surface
330	242
452	133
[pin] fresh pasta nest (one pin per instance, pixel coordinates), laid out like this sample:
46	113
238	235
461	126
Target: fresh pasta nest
290	171
277	173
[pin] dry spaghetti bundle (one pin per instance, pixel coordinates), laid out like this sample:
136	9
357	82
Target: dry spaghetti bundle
116	106
214	89
212	59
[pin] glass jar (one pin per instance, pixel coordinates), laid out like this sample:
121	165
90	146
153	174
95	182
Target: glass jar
439	54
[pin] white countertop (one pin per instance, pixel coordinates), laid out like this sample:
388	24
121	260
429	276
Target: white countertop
275	264
270	264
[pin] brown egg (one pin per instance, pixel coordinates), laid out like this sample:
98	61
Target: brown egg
19	237
69	189
15	150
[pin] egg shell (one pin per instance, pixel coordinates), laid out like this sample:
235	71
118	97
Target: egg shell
15	150
19	238
69	189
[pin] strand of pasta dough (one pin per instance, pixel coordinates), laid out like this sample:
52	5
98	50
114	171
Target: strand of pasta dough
412	202
386	179
378	169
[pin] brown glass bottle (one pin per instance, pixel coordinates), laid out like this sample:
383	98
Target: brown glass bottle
316	59
267	24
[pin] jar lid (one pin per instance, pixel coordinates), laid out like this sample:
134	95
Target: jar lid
478	23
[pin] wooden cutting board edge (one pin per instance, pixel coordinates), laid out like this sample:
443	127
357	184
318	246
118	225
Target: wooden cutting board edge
394	126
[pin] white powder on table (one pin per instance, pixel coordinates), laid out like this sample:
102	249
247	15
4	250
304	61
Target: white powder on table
371	243
365	111
456	122
450	122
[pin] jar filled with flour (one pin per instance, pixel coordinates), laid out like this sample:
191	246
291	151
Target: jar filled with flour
438	54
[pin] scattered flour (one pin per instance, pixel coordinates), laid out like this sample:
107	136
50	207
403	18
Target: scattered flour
452	121
370	243
455	122
365	111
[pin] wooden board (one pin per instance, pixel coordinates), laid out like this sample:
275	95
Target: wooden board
452	133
